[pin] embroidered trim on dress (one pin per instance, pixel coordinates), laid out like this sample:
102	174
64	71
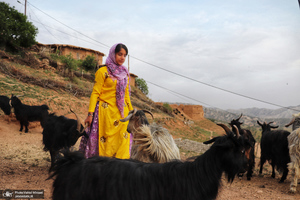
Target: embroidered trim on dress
103	139
116	123
106	74
104	105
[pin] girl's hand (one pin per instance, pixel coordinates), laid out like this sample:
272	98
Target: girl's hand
88	120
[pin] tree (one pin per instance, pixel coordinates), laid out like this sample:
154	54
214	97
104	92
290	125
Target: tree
15	30
142	85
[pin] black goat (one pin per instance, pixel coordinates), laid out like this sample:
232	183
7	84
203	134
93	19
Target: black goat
274	148
4	105
25	113
249	145
111	179
61	133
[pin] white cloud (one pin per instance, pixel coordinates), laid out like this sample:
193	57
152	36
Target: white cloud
247	47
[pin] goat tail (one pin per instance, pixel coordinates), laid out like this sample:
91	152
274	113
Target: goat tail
156	142
64	161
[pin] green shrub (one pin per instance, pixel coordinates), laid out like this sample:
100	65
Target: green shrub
168	108
89	63
142	85
70	62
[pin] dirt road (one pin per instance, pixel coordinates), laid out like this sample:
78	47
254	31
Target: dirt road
24	166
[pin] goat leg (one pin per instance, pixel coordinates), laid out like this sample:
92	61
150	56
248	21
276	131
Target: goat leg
262	162
295	171
21	126
284	175
273	171
26	127
53	155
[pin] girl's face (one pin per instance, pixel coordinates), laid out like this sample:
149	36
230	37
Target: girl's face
121	56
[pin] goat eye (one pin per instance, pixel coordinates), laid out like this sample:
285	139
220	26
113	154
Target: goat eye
243	151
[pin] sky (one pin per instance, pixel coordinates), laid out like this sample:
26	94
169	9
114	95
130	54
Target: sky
224	54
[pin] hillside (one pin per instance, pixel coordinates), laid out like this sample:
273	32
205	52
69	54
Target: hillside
250	115
43	80
24	164
281	113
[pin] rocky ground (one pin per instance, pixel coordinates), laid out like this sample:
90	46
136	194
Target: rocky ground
24	166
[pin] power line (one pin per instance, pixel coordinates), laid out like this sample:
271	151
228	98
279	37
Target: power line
62	31
43	25
183	76
222	89
178	93
69	26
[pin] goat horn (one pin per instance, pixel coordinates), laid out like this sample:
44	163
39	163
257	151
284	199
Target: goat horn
20	95
78	120
147	111
237	131
86	125
293	120
130	114
227	130
259	123
270	123
239	117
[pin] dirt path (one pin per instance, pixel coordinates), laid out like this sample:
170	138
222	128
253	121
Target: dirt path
24	165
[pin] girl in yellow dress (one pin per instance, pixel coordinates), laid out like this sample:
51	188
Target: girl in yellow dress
109	102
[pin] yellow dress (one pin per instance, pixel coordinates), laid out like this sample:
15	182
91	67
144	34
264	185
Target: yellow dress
114	140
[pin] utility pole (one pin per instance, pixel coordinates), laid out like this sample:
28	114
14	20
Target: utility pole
25	6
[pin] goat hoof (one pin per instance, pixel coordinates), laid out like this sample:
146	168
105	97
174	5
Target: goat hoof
292	190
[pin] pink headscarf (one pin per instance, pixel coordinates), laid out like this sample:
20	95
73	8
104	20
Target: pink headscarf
119	73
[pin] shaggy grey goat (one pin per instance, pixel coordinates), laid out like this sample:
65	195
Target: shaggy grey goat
294	151
151	143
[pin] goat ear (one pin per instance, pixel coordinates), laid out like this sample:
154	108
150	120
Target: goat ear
211	141
274	126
